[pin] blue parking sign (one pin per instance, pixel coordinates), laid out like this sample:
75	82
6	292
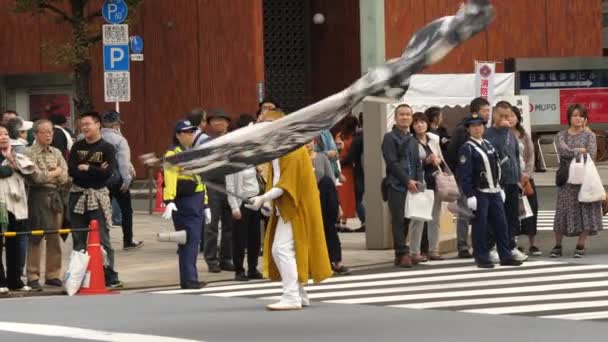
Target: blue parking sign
116	58
114	11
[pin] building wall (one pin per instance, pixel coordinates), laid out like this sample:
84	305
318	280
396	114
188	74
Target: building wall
335	47
205	53
522	28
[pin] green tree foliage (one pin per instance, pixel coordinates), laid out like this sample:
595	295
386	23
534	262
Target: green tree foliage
85	25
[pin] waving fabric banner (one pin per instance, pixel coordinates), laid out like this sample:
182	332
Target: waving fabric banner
263	142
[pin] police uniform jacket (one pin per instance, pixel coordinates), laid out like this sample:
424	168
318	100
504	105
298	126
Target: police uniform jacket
478	168
177	185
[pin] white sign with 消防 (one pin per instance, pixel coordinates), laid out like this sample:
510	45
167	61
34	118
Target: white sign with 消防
485	80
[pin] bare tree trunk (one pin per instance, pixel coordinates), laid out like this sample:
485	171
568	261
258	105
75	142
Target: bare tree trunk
82	83
82	68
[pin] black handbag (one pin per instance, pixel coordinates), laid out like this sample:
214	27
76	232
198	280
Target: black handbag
563	171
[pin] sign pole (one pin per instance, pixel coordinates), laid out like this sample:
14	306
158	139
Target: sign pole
117	107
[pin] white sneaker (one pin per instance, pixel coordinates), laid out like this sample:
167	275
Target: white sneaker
24	289
4	290
283	306
304	296
518	255
494	258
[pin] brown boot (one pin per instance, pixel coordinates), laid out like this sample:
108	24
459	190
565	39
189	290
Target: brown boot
405	261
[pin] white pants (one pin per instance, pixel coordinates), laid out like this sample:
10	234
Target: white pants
417	227
284	255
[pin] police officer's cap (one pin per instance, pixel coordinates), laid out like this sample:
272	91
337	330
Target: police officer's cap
217	113
183	125
473	119
111	117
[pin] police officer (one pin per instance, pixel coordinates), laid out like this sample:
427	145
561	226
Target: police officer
479	175
185	198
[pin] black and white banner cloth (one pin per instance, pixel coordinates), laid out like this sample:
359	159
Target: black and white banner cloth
263	142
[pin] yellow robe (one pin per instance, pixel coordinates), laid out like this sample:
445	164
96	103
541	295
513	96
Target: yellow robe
299	205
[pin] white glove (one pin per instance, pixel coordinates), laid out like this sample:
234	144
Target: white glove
255	203
472	203
207	215
169	209
503	196
266	209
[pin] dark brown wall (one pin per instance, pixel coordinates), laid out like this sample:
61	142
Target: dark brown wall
522	28
335	47
197	53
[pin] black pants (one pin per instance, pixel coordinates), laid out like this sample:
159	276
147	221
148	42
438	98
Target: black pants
400	225
14	254
124	201
511	208
220	211
246	235
329	211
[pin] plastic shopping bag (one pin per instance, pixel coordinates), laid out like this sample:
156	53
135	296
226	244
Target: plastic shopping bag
577	171
77	269
592	189
525	210
419	206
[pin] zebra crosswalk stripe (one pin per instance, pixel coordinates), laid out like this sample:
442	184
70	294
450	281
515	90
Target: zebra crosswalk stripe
545	219
547	289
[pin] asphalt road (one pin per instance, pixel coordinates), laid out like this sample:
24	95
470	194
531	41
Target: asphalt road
192	316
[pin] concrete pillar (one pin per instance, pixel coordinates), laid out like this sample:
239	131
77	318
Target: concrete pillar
378	228
371	17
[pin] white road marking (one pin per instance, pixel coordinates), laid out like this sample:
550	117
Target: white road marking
430	270
539	307
516	281
580	316
84	334
447	278
502	300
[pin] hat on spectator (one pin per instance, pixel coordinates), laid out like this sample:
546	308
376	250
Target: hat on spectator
112	117
26	125
218	113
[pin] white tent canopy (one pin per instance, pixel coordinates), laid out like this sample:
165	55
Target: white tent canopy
451	89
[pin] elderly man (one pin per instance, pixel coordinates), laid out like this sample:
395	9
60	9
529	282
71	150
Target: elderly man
122	176
45	205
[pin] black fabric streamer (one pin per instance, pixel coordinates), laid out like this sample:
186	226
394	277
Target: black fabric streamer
263	142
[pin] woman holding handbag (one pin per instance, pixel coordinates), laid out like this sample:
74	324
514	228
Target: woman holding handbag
425	159
526	156
573	218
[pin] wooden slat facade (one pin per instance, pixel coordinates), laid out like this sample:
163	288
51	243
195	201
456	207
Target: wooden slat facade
210	53
197	53
522	28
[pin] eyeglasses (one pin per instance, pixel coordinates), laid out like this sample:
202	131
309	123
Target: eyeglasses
188	131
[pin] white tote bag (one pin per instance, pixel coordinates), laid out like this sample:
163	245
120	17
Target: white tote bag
592	189
419	206
576	172
77	270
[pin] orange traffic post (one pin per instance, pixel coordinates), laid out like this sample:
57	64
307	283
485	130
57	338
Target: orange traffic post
97	282
159	206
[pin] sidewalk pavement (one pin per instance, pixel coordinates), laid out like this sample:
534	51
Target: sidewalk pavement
155	264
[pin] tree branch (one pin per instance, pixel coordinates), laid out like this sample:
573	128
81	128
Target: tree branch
94	15
94	39
57	11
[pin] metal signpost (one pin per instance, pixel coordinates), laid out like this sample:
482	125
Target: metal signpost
117	78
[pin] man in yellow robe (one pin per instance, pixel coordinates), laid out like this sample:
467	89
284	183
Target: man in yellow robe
294	245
